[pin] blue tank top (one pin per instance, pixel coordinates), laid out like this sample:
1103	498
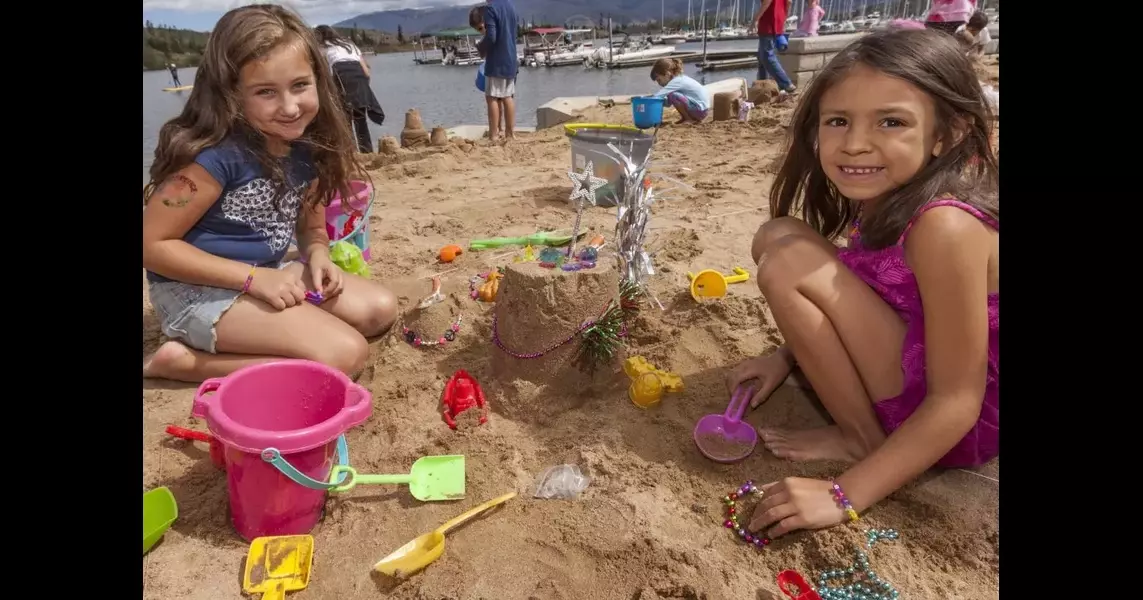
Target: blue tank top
246	224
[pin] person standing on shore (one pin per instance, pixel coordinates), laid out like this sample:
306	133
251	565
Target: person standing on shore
498	47
949	15
771	20
811	19
175	75
351	73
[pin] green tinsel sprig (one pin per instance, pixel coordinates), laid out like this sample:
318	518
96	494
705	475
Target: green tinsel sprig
601	341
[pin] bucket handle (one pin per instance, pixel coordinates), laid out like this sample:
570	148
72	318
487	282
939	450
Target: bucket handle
274	457
202	396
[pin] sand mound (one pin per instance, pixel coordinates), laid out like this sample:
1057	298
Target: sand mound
414	135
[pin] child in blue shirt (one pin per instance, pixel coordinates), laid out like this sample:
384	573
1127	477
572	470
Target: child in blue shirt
259	150
688	96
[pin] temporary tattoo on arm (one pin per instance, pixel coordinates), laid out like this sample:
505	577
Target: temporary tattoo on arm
181	191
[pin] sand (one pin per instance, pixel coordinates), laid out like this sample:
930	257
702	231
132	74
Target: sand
649	524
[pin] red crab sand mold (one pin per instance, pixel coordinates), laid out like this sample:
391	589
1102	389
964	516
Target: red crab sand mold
461	393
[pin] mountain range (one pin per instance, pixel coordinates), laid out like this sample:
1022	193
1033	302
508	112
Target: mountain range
572	12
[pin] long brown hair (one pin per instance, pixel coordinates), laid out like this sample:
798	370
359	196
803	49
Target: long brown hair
931	61
214	110
328	36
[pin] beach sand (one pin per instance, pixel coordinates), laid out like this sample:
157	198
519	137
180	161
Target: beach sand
649	524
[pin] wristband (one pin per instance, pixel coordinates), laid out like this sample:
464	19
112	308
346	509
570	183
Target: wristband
249	280
843	502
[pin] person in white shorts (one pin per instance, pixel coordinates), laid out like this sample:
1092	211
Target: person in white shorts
497	20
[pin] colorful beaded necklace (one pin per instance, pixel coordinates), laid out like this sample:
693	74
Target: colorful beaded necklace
416	340
528	355
865	585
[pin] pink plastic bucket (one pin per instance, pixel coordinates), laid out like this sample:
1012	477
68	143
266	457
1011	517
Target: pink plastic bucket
349	221
298	407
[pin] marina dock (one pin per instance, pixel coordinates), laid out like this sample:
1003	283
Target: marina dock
687	56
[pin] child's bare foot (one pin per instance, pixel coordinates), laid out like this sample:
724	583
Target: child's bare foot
171	358
823	443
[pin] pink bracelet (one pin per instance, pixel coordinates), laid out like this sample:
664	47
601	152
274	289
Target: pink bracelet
249	280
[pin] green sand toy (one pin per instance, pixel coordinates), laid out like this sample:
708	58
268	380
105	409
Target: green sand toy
159	511
348	258
544	238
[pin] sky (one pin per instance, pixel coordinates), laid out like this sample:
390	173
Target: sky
201	15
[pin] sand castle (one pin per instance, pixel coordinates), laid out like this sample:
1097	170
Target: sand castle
538	334
414	134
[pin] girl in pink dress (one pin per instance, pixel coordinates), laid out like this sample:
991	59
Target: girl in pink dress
898	333
811	20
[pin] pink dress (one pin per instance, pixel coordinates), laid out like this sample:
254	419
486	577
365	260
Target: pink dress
945	11
889	275
811	21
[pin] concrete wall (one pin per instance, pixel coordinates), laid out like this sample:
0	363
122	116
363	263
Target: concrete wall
807	56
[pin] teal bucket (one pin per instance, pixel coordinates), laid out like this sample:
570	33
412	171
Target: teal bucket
589	143
647	111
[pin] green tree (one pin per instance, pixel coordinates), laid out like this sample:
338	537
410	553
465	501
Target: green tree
400	35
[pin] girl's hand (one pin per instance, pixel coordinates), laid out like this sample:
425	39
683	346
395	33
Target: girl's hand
325	277
278	288
796	503
770	371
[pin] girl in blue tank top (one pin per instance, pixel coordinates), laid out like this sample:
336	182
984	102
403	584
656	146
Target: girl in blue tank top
257	153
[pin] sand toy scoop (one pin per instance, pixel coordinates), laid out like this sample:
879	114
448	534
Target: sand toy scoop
726	438
159	511
278	564
418	553
431	478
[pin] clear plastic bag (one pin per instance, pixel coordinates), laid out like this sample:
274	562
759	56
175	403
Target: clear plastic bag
562	482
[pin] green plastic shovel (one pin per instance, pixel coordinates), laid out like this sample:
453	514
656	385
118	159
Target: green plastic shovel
159	511
544	238
431	478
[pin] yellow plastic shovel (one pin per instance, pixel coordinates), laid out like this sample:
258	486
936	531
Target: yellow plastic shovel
426	548
278	564
712	284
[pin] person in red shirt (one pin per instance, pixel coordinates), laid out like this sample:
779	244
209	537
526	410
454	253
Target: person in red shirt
771	20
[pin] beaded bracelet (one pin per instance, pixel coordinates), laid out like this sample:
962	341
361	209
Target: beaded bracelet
249	280
843	502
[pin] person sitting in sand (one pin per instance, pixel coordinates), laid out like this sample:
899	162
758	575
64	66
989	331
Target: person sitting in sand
897	333
974	36
259	150
688	96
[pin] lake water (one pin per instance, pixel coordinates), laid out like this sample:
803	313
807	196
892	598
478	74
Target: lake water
447	96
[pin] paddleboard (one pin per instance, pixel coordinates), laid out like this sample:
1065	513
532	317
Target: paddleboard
181	88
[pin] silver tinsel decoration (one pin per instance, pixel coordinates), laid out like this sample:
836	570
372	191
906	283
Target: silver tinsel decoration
633	211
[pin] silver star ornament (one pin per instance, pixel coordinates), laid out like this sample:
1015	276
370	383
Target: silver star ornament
585	184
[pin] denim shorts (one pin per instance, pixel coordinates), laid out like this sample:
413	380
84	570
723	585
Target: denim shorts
189	313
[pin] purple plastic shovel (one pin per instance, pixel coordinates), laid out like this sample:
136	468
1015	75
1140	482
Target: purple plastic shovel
725	438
